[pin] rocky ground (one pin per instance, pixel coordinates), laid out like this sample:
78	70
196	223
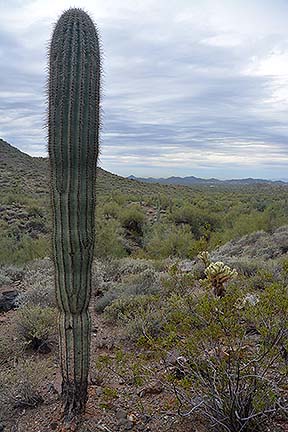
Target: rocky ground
128	386
119	398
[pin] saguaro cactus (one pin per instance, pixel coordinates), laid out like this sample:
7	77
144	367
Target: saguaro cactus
73	127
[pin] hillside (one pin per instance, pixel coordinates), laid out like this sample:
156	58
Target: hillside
22	173
29	175
132	217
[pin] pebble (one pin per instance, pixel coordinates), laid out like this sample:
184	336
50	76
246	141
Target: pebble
121	414
99	391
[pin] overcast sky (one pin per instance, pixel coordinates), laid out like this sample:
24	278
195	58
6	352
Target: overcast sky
191	87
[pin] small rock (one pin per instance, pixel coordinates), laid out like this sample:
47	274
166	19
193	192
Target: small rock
99	391
121	414
1	427
145	418
152	388
8	300
129	425
126	424
131	417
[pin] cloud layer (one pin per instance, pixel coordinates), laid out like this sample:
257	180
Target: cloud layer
189	88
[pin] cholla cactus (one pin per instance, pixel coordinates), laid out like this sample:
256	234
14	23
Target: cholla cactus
217	274
205	258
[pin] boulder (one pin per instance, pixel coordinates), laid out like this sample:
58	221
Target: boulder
8	300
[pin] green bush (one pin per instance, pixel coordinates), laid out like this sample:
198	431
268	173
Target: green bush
132	219
200	221
109	239
140	315
36	326
145	283
168	240
230	353
39	290
26	249
10	349
232	370
110	210
4	279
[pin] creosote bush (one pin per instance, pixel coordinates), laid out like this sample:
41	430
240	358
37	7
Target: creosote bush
109	240
231	350
36	326
21	385
10	349
165	241
132	285
39	290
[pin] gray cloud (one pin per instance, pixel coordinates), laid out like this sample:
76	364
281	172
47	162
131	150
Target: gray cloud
180	95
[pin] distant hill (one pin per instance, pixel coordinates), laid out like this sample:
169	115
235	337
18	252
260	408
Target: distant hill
25	174
192	181
22	173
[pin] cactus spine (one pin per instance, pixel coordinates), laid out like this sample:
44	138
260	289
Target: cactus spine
73	128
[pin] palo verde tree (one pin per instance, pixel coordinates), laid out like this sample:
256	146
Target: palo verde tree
73	129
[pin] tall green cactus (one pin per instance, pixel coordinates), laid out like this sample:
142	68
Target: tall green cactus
73	128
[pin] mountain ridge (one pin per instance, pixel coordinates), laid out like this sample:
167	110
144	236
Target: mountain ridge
22	173
192	180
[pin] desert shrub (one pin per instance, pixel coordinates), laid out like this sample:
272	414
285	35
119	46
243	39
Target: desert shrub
110	210
132	219
13	251
36	326
146	282
10	273
15	273
233	367
4	279
128	266
39	285
41	293
168	240
116	269
109	239
200	221
20	386
10	349
107	298
178	281
141	315
35	211
245	266
258	245
231	364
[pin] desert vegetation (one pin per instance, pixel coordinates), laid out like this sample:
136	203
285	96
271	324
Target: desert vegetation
166	307
166	352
